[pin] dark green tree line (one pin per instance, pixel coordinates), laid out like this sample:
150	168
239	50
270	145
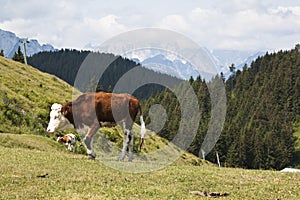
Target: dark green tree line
65	64
263	102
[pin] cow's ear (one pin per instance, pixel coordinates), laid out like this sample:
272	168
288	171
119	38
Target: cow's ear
64	111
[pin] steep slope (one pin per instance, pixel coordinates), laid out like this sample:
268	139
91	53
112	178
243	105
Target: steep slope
26	96
263	105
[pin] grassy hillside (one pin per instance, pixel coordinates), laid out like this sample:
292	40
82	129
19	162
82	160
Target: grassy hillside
24	158
26	96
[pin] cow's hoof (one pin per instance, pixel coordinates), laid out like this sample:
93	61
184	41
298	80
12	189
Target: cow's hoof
91	157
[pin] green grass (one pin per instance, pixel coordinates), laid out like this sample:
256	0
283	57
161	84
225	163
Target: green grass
72	176
26	96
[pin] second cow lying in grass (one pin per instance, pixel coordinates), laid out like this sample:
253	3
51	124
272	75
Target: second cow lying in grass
69	140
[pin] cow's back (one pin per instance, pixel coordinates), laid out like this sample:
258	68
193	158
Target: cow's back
115	107
104	107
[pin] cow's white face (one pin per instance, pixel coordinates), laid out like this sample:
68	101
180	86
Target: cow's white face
58	122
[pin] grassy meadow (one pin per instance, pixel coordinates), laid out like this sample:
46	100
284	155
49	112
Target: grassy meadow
34	166
71	176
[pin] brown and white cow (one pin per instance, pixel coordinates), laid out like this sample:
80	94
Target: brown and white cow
90	110
69	140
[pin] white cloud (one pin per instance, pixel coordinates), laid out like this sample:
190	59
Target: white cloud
106	26
174	21
232	24
285	11
244	29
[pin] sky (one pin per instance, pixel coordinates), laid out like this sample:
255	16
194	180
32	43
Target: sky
215	24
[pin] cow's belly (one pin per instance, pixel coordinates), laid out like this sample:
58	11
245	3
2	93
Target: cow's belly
83	129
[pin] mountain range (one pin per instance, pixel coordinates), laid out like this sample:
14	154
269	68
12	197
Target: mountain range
167	63
9	43
152	59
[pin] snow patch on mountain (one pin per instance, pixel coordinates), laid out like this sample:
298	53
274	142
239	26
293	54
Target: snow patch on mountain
174	65
163	62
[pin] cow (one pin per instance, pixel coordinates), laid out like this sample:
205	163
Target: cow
90	110
69	140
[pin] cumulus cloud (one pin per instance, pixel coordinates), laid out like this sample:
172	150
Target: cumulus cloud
106	26
245	28
232	24
174	21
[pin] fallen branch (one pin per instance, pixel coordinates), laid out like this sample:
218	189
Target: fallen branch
209	194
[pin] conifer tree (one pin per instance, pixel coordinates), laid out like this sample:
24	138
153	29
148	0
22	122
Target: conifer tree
18	56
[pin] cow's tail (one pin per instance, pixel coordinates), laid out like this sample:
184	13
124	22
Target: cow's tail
143	129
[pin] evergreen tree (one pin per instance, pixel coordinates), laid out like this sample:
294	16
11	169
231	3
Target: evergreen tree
109	89
18	56
99	88
2	53
92	87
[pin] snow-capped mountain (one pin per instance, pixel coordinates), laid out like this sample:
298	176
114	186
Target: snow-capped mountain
170	64
9	43
176	67
166	62
224	59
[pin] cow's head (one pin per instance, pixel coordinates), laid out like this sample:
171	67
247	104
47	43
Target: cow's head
58	121
62	139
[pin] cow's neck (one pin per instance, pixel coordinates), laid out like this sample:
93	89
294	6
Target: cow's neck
69	116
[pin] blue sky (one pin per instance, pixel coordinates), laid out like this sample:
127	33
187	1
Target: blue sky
215	24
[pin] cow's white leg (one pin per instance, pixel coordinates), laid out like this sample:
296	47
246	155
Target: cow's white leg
69	147
74	147
88	140
125	144
130	147
89	149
